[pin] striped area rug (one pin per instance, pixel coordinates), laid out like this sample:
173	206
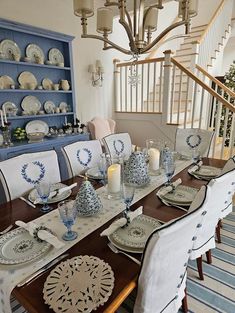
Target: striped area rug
217	292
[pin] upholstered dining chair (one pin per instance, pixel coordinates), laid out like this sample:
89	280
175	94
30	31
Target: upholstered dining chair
217	195
18	175
190	138
118	145
81	155
100	127
162	278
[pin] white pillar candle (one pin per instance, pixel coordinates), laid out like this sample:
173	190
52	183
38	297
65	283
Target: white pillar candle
114	178
4	115
104	20
2	122
154	159
83	7
151	19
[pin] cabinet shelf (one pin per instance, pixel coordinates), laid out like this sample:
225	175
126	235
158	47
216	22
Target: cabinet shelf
35	91
38	116
53	67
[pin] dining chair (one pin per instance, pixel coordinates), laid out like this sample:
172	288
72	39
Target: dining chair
190	138
217	195
19	174
81	155
100	127
117	145
162	279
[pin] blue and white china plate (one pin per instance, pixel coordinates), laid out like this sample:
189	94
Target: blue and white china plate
18	246
182	195
207	171
33	195
94	173
133	237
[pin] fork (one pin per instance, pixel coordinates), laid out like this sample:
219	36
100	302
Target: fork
116	250
6	229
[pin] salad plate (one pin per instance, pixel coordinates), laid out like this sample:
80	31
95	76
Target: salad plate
6	82
133	237
49	107
18	246
47	84
10	108
55	56
31	104
37	126
27	80
182	195
63	106
10	49
34	53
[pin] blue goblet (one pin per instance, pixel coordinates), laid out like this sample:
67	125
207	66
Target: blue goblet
128	192
169	169
43	189
68	216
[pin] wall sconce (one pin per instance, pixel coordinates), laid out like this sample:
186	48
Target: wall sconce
97	72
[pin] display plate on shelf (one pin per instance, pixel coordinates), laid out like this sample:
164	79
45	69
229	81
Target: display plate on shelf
49	107
37	126
31	104
6	82
10	108
34	53
47	84
55	56
18	246
63	105
10	49
27	80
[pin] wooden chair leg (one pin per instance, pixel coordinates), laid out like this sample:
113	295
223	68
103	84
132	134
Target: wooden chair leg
208	256
199	268
219	225
185	303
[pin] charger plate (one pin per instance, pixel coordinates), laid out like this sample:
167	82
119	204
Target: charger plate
133	237
18	246
207	171
182	195
79	285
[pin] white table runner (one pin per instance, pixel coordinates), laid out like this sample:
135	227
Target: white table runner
11	275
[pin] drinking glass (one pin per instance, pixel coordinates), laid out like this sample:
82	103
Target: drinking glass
169	169
128	192
103	165
195	155
68	216
43	189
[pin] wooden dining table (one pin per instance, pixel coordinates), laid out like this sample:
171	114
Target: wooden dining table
125	270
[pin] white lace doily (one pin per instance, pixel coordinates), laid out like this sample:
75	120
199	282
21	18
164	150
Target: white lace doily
79	285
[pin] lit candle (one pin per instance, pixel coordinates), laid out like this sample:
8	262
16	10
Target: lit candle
114	178
2	122
154	159
104	20
4	114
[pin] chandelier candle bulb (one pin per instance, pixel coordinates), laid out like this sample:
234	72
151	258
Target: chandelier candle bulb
193	8
83	8
151	19
104	20
114	178
154	159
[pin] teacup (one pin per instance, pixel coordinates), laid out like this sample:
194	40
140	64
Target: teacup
22	87
61	64
40	87
2	55
57	110
47	62
26	59
12	86
38	60
16	57
56	86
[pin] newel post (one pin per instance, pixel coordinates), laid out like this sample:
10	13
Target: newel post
167	69
116	93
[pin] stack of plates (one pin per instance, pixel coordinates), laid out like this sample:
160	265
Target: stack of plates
182	195
206	172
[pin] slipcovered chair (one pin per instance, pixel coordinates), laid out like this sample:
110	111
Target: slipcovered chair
100	127
163	273
217	195
189	138
18	175
117	145
81	155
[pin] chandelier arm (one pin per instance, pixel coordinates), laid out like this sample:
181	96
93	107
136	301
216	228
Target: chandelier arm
108	42
159	37
129	34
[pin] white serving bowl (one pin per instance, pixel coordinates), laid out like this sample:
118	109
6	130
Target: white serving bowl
35	137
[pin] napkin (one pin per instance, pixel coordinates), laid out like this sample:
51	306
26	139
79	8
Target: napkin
121	222
163	191
42	234
56	192
195	167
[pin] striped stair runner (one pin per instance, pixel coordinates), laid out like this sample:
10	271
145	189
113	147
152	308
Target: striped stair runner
216	293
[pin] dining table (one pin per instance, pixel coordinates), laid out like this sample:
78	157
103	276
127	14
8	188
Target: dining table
30	296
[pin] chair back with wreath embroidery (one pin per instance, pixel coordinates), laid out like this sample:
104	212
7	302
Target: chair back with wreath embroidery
118	145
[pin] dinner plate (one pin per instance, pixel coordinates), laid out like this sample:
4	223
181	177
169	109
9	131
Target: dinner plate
207	171
37	126
133	237
31	104
94	173
27	80
55	56
10	108
49	107
33	195
6	82
80	284
47	84
182	195
34	53
10	49
18	246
